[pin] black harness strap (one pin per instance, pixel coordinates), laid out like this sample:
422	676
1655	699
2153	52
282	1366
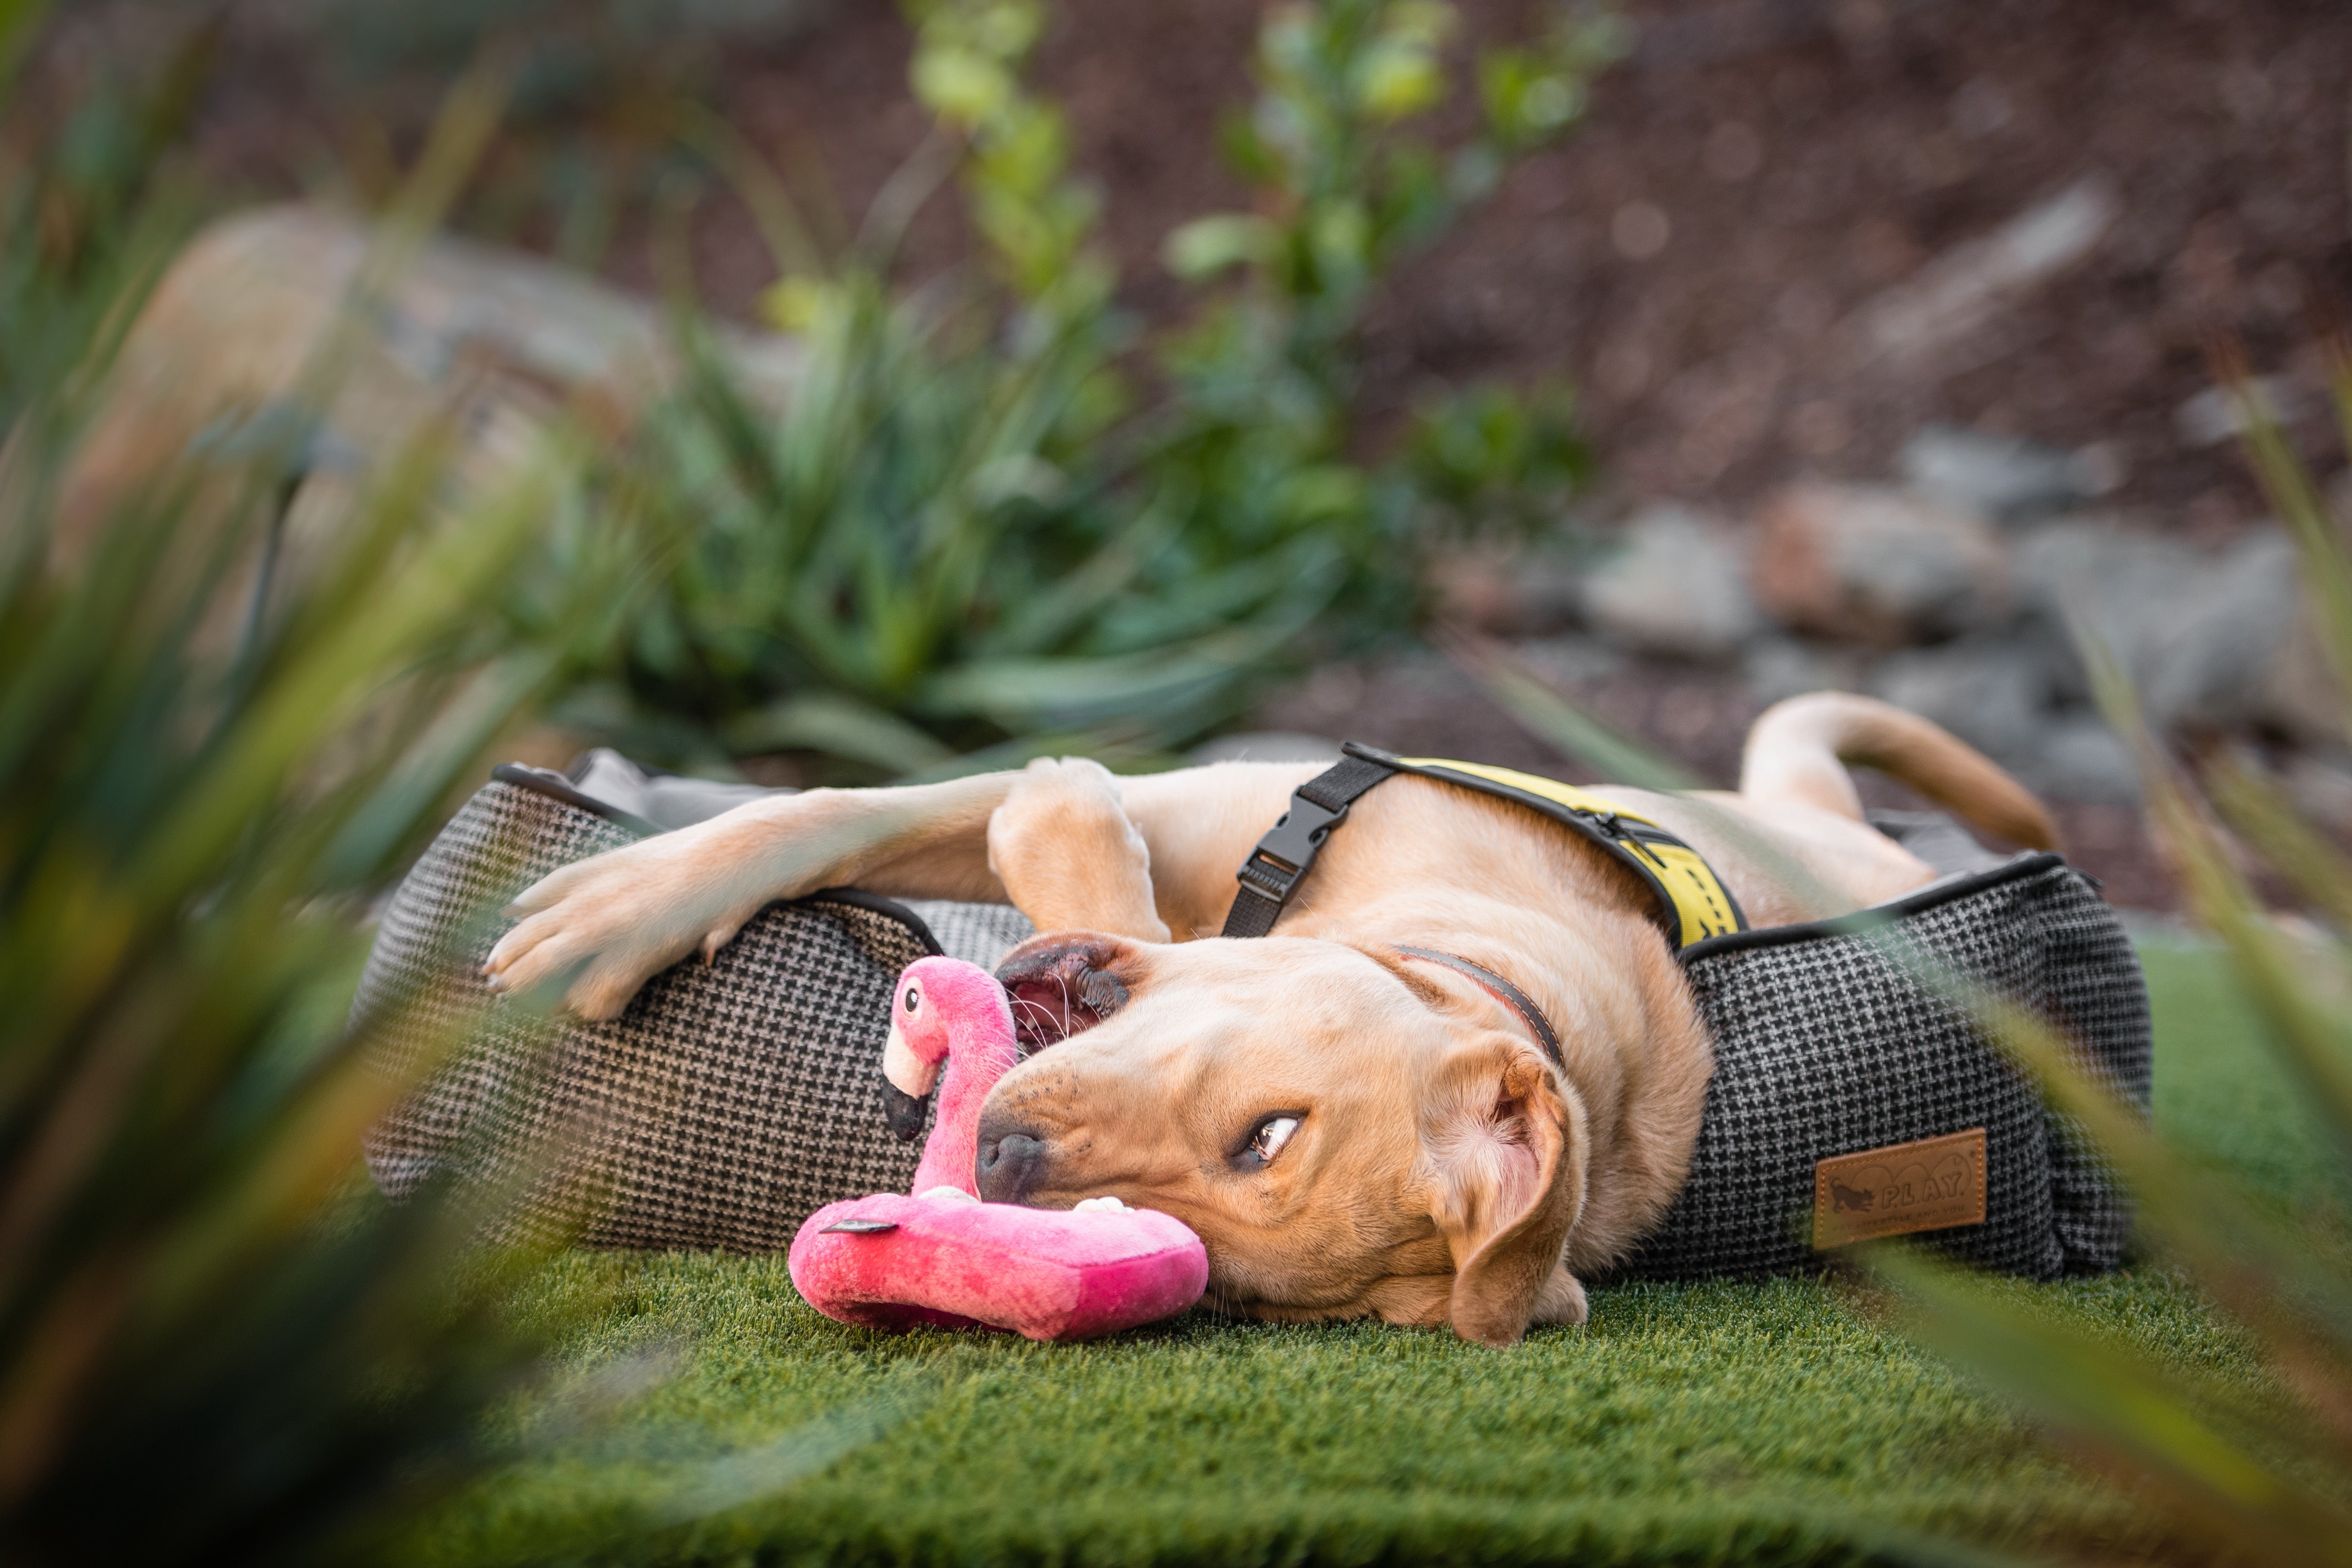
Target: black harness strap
1275	867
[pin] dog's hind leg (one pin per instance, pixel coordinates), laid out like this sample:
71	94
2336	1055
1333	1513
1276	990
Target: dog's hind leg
1798	752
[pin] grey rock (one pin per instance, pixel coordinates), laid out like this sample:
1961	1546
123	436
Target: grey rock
2219	413
2081	759
1530	594
1992	694
2321	788
1574	660
1677	587
1777	667
1266	746
2214	663
2001	478
2217	640
1869	564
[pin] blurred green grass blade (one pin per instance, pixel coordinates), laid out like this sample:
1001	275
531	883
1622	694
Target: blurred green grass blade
414	783
20	20
774	212
2336	350
1519	692
1523	692
2261	1268
2260	814
2124	1404
186	838
750	1475
469	113
329	687
2326	568
2307	1028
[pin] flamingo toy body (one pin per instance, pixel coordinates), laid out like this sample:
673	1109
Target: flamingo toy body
945	1259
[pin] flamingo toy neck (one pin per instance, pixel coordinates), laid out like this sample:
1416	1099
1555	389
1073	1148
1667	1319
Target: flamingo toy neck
957	1017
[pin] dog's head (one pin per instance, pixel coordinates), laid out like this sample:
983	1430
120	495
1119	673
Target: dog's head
1343	1147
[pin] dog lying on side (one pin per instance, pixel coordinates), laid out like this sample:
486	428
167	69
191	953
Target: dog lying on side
1350	1133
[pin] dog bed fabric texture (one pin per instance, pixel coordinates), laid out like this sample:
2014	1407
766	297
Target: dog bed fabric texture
729	1102
724	1106
1853	1035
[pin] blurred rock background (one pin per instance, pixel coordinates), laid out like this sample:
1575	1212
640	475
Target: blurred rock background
1888	320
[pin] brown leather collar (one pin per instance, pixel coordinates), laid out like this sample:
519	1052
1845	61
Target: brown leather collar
1502	991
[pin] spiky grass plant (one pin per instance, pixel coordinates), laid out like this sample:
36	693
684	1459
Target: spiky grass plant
2270	1483
991	525
215	1346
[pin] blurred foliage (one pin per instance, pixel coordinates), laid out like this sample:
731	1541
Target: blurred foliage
90	205
213	1346
563	55
605	116
2269	1482
2235	1478
991	527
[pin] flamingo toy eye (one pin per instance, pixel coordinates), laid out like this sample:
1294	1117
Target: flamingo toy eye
913	1002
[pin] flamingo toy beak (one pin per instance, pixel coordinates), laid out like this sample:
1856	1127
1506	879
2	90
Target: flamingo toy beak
907	1084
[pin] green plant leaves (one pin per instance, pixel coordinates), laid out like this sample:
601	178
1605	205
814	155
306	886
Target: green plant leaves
965	527
213	1345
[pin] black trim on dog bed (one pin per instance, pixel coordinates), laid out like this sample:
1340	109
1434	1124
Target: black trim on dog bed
549	782
1941	891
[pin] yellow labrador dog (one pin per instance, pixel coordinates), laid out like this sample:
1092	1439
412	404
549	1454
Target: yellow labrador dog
1349	1132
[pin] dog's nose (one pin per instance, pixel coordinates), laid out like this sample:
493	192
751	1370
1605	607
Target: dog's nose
1010	1166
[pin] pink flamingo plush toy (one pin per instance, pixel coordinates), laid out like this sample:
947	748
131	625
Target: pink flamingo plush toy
944	1257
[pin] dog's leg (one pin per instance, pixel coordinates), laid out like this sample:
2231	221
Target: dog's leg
1201	824
1068	856
613	921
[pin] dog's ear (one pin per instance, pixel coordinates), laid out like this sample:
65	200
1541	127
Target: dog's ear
1505	1150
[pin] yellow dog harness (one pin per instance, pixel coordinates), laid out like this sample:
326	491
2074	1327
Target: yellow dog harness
1693	902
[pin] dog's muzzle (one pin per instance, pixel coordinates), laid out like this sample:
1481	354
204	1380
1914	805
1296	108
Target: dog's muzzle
1013	1161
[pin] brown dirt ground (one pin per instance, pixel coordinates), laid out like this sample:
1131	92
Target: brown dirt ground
1804	155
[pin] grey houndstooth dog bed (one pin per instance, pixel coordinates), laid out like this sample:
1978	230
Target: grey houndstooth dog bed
729	1102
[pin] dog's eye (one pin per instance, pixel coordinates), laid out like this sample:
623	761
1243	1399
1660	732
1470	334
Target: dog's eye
914	1000
1271	1135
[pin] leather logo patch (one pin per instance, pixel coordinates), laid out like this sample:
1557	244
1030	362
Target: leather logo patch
1926	1185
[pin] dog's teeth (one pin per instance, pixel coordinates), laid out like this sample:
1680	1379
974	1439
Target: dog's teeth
946	1195
1104	1204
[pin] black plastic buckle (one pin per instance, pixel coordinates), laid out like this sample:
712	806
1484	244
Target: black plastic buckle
1289	848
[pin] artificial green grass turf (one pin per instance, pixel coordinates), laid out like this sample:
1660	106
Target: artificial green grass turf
1748	1423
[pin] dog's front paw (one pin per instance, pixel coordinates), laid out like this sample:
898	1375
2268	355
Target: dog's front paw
604	927
1068	856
